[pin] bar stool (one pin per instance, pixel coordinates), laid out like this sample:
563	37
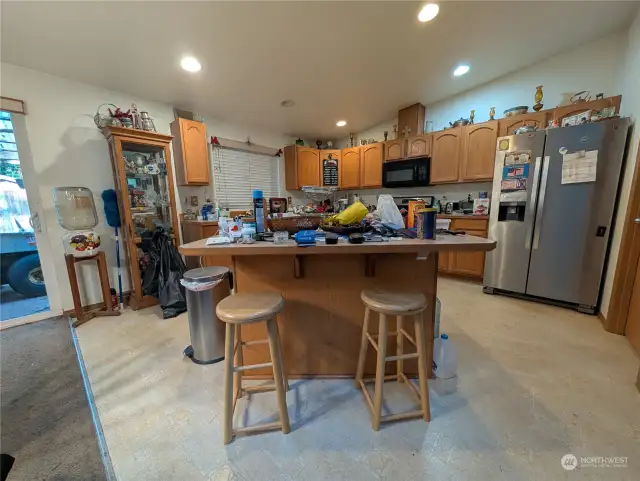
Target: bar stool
398	304
236	311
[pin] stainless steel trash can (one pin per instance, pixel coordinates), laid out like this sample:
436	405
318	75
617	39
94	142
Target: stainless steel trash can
207	331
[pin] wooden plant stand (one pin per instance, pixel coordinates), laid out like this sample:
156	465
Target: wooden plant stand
83	316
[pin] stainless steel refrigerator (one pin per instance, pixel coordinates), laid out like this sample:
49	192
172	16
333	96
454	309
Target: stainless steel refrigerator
552	208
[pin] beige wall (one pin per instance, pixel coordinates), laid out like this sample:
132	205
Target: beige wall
630	89
68	149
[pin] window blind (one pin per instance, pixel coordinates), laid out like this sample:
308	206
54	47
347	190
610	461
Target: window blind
236	174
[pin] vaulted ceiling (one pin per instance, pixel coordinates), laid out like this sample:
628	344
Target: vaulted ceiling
357	61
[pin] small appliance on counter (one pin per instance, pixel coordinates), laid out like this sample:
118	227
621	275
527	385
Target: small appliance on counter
466	206
452	207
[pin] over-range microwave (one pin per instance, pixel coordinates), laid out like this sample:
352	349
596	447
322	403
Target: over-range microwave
406	173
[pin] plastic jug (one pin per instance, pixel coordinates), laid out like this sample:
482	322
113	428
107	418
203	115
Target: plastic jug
445	357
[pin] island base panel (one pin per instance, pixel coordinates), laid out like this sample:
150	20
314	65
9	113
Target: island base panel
321	324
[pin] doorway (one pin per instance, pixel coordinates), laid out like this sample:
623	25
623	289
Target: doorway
624	311
23	291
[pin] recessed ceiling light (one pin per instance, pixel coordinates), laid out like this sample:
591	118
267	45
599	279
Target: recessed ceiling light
190	64
287	103
461	70
428	12
341	123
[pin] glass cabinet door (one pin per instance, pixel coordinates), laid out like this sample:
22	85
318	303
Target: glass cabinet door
145	169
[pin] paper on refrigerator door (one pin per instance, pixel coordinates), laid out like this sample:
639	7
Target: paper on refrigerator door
579	167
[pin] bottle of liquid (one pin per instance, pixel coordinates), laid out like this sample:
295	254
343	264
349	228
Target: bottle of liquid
445	357
258	209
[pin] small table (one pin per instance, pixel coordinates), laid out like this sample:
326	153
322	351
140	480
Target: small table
83	316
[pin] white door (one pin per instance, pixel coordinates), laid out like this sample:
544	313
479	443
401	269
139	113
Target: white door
23	233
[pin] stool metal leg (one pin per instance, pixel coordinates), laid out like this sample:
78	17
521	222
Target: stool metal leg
364	343
272	328
422	367
228	384
380	368
400	350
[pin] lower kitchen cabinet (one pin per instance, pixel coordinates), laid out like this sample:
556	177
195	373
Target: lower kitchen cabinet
469	264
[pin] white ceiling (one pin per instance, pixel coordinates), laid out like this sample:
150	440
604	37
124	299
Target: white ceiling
358	61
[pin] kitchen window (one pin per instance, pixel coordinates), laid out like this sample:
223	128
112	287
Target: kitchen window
236	174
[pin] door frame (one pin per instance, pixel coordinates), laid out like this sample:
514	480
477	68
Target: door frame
29	175
627	263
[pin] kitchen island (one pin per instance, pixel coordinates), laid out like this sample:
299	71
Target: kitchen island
321	324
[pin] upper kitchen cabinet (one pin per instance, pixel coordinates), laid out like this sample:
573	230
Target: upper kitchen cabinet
560	113
190	152
330	160
419	146
411	120
509	125
350	168
478	151
445	157
302	167
371	158
394	150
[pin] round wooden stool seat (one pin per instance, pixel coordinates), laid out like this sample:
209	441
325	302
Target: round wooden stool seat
394	303
247	308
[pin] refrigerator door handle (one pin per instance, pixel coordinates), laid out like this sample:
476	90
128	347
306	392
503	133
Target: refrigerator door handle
543	190
532	202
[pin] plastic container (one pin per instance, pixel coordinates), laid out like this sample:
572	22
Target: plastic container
258	209
445	357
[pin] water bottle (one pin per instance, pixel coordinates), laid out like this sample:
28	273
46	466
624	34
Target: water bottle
445	357
258	210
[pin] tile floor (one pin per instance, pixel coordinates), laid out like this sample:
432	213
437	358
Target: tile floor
535	383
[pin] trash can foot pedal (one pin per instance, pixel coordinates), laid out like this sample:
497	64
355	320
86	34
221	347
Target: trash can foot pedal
188	352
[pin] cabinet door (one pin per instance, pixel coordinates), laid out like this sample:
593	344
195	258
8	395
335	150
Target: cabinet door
308	166
445	158
394	150
193	152
419	146
444	261
478	151
371	165
350	168
469	263
509	125
329	154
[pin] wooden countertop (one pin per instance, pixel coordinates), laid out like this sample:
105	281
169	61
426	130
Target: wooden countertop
470	217
199	222
442	243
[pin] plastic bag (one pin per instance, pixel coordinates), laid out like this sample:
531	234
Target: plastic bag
171	293
351	215
388	212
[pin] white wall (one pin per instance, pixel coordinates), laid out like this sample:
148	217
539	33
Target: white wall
68	149
630	89
595	66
